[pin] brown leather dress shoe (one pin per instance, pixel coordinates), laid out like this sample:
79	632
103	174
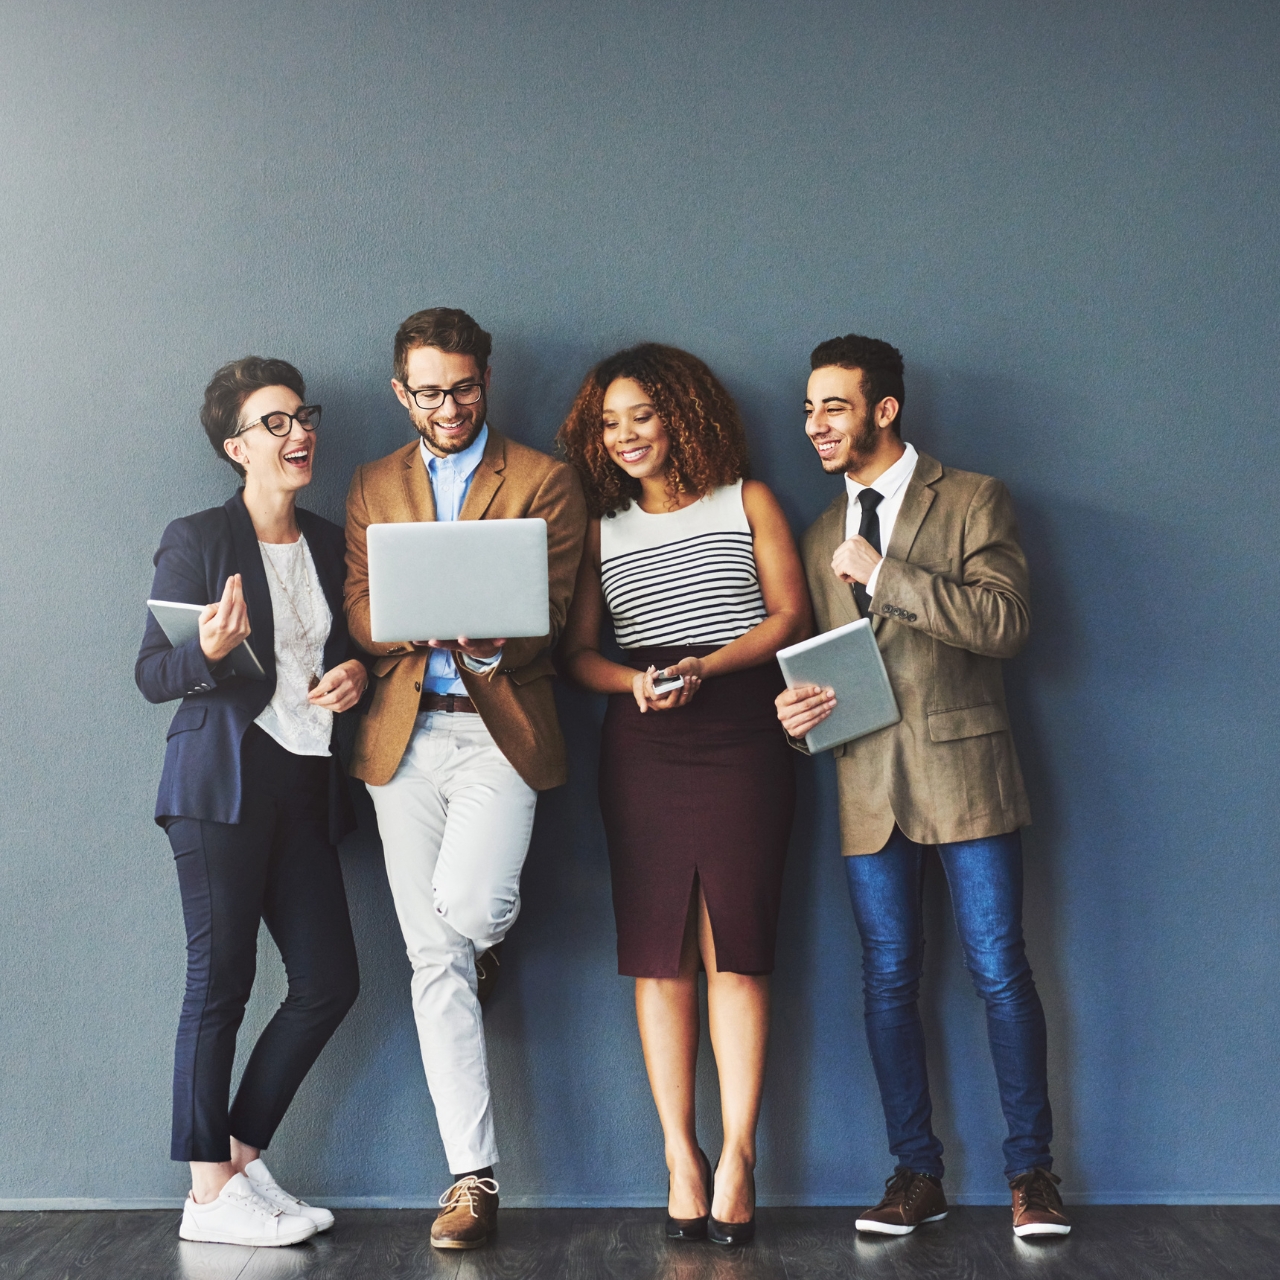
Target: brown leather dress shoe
468	1213
487	965
909	1199
1037	1206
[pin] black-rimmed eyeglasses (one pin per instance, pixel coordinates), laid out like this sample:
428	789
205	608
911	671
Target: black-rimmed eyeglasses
433	397
281	423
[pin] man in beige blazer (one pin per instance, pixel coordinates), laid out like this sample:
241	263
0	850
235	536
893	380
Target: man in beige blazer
931	556
460	735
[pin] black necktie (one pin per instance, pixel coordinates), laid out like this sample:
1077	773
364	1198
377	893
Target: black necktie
869	500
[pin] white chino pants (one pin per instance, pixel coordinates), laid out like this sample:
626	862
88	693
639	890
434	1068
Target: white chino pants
455	823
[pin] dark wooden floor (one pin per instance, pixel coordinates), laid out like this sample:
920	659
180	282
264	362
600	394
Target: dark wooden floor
1109	1243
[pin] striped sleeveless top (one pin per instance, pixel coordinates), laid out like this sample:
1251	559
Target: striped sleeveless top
682	578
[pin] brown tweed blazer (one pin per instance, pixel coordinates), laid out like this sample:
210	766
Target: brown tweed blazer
515	701
950	603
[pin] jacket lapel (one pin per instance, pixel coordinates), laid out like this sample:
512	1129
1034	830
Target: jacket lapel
420	502
253	577
487	479
915	506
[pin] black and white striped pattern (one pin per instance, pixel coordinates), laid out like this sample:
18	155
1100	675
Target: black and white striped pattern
697	589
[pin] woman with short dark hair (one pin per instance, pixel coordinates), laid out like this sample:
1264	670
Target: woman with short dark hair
696	568
253	796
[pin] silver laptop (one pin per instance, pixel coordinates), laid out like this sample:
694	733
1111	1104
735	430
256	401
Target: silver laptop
438	580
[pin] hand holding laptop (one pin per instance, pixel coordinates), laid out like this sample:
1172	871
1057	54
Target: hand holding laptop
480	650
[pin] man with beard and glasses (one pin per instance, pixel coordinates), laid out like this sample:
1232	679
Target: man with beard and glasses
931	556
461	735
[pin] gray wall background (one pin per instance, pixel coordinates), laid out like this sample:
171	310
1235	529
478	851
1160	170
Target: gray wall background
1063	213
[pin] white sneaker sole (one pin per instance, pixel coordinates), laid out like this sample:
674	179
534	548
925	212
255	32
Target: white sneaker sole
1042	1229
889	1228
252	1242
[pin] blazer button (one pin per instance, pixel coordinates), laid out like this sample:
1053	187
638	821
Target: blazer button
417	686
911	617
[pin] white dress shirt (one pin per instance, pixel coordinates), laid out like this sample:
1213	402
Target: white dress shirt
892	487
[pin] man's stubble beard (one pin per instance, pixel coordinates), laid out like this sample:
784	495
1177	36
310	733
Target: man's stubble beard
426	429
862	447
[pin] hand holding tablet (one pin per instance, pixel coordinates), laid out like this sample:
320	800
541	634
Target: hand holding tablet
222	628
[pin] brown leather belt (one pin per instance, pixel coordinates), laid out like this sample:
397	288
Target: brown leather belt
446	702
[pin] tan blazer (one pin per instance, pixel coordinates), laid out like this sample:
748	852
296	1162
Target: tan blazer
515	700
951	601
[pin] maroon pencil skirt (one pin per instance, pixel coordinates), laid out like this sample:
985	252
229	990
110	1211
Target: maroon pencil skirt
705	791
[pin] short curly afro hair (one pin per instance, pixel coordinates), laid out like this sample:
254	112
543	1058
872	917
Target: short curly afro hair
881	366
708	443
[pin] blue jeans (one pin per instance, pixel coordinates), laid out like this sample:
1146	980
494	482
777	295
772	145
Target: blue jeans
985	879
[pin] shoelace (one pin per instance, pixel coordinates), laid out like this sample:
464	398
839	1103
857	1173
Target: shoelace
895	1189
273	1191
1036	1191
468	1189
256	1204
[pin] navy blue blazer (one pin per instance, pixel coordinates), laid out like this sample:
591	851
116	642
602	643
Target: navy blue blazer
198	553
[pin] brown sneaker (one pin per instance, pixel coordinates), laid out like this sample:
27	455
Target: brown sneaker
487	965
1037	1206
468	1213
909	1199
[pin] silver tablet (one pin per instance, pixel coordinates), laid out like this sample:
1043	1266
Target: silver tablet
847	660
181	624
438	580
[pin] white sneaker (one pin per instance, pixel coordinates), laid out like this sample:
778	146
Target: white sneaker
270	1190
241	1216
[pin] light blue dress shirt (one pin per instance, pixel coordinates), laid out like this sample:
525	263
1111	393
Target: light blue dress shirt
451	478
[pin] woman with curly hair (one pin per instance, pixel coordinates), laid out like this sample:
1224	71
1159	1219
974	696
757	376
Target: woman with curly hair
697	570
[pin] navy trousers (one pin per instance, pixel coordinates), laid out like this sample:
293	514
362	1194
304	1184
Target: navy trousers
276	865
985	879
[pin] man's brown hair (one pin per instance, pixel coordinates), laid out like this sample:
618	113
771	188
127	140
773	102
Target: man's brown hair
708	444
446	329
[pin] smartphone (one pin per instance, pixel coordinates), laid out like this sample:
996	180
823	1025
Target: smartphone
662	685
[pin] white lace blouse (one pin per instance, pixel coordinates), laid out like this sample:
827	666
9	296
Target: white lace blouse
302	621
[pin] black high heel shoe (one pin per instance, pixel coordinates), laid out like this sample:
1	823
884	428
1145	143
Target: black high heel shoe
732	1233
692	1228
